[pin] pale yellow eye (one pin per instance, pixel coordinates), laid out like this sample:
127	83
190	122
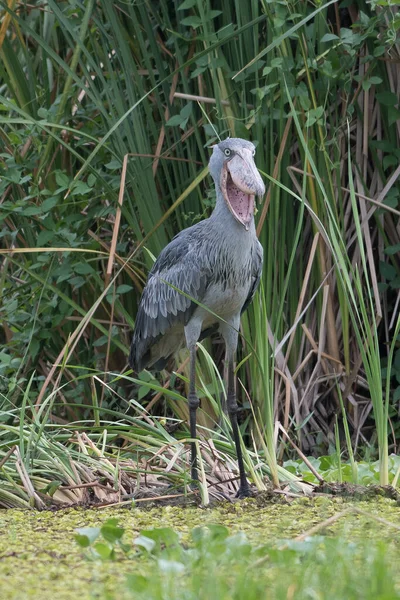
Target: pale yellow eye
227	152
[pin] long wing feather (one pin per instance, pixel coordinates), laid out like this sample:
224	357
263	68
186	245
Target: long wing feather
162	306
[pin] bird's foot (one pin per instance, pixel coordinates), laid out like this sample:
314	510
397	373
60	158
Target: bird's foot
193	486
244	492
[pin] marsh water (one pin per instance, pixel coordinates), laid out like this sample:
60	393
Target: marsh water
39	556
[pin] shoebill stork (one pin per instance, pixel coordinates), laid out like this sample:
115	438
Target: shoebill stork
217	265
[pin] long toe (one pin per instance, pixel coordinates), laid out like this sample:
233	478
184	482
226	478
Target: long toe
244	492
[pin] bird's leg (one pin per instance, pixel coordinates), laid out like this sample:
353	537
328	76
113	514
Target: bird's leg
230	332
244	488
193	406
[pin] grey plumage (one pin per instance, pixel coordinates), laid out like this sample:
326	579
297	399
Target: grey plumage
212	268
193	262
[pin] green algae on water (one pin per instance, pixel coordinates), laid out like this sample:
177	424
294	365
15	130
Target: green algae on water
40	557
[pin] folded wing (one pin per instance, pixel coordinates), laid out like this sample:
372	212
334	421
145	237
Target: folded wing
177	278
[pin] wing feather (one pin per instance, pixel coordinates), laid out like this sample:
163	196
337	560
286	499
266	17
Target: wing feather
162	306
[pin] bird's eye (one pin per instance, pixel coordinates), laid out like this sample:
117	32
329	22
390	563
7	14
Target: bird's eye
227	152
254	153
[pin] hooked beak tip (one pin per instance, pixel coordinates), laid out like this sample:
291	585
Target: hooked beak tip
261	191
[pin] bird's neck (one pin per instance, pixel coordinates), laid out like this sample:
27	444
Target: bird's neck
222	216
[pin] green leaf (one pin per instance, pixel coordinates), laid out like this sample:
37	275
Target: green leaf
101	341
49	203
395	284
379	51
209	533
113	164
80	187
385	145
277	62
124	288
187	4
84	269
142	392
5	358
393	115
145	542
104	551
192	21
51	488
91	180
44	237
138	583
387	98
392	249
387	270
163	537
113	522
314	115
111	533
212	14
34	347
62	179
87	535
187	110
391	200
77	281
390	161
348	37
82	540
305	102
328	37
30	211
174	121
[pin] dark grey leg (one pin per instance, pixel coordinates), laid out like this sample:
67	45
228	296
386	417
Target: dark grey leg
244	489
193	406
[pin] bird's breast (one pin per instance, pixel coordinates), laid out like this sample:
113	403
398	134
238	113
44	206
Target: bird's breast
225	301
230	267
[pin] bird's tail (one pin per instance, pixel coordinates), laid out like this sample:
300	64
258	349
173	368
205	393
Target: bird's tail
141	356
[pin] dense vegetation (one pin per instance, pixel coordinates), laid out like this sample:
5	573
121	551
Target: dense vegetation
107	111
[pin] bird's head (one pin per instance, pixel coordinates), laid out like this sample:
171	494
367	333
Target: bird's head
235	174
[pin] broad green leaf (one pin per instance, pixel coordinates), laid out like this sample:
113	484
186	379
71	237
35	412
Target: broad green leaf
187	4
392	249
174	120
124	288
329	37
192	21
104	551
87	535
387	98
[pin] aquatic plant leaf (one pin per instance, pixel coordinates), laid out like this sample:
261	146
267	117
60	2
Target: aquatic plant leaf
87	535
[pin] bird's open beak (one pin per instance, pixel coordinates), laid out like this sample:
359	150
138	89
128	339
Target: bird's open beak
240	183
